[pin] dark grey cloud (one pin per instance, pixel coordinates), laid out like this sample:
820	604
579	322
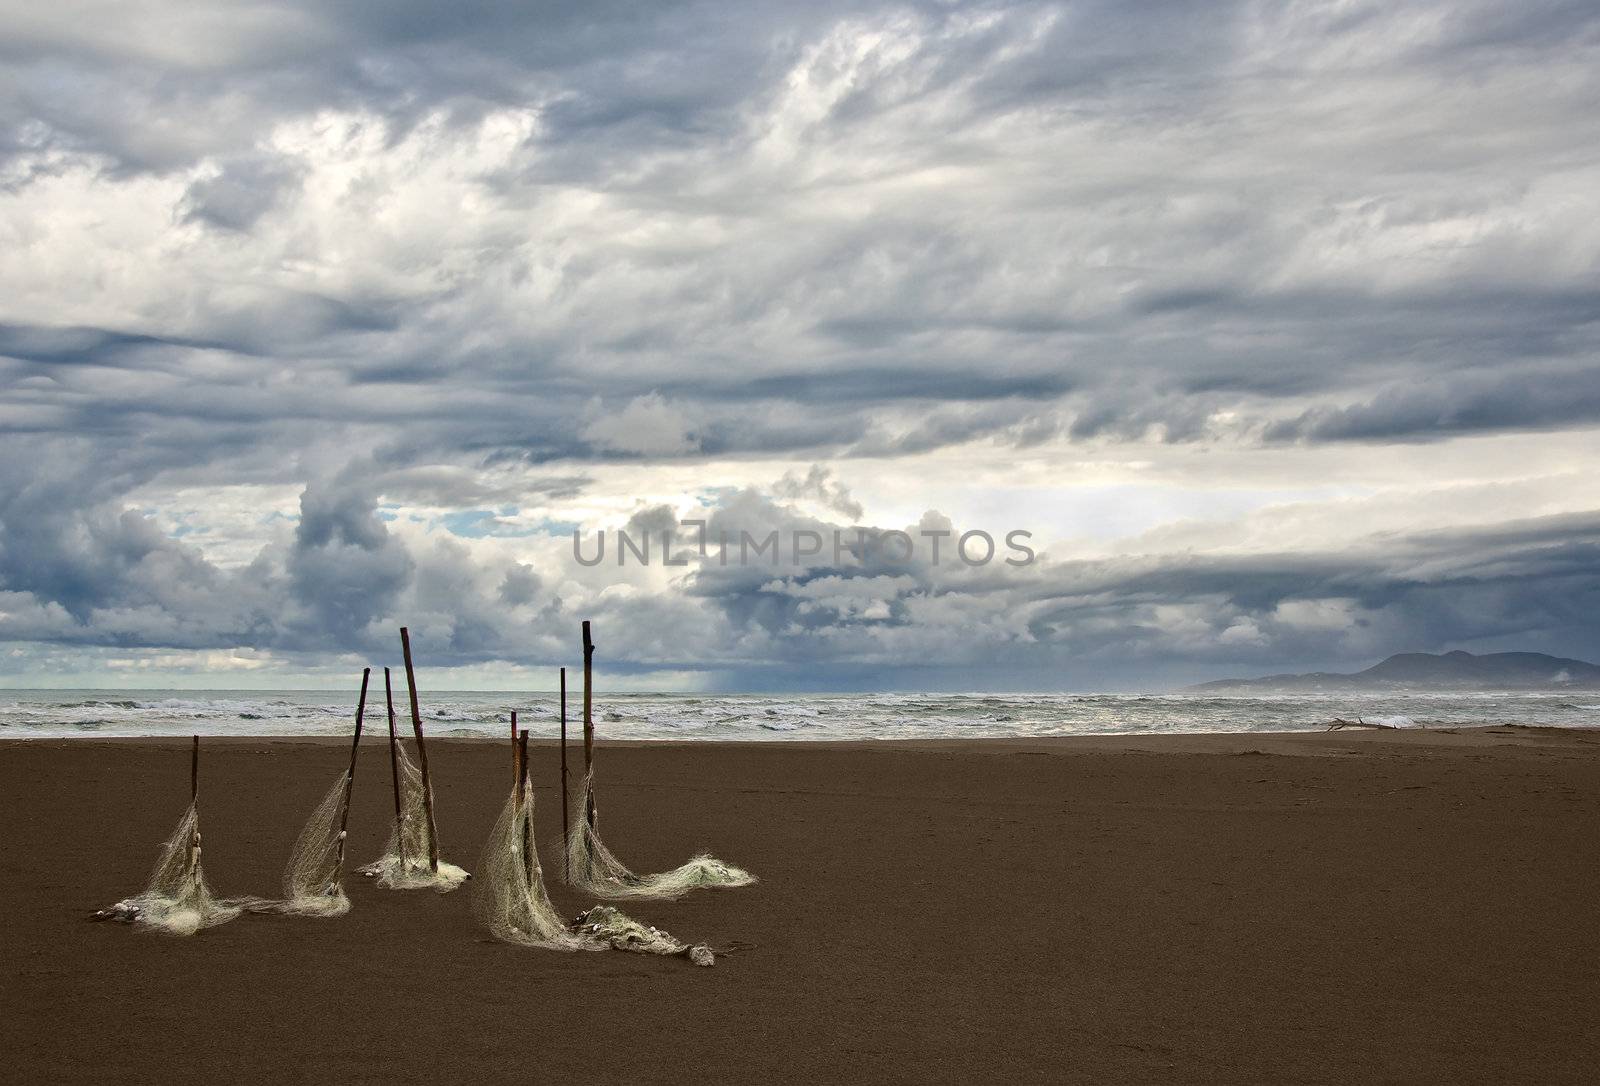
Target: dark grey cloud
340	580
982	295
1079	624
1417	410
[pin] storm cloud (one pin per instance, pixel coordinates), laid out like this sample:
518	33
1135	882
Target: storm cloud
1280	327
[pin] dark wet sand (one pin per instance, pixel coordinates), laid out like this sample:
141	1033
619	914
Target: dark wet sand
1355	907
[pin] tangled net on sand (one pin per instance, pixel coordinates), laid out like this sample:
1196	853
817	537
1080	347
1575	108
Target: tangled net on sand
592	868
178	901
312	883
510	899
622	932
404	864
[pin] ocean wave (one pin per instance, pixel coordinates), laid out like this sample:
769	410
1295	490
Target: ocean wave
736	716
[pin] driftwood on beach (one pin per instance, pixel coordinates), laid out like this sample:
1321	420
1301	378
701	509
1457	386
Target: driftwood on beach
1339	724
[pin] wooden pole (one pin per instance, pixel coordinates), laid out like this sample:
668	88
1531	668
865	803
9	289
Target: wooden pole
522	803
588	719
394	769
422	753
516	780
566	866
350	775
194	801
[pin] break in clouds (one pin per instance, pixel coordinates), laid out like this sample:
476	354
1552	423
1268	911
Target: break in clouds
1276	325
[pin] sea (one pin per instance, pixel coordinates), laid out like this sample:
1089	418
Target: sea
50	714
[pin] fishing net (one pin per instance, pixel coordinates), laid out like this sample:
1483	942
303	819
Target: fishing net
622	932
178	901
312	883
404	864
592	868
510	900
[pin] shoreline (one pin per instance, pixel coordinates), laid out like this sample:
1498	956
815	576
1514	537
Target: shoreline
1196	742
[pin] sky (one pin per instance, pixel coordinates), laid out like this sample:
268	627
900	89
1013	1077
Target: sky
1274	325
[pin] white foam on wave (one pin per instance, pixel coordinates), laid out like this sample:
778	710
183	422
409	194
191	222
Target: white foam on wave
752	716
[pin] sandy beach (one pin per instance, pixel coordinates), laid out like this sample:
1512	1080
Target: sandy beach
1349	907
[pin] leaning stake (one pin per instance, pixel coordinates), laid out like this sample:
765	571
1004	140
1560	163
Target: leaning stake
422	753
194	801
350	776
516	766
566	866
394	766
522	800
588	717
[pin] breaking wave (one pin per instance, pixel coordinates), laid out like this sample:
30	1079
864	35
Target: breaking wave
768	717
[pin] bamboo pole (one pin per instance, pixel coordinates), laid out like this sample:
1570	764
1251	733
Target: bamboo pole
524	806
422	753
516	755
350	775
566	865
394	769
588	721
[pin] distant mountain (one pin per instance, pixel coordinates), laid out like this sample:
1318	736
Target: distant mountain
1426	671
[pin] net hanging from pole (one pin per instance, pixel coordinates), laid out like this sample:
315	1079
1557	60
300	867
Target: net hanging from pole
313	878
591	867
178	900
404	864
510	899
